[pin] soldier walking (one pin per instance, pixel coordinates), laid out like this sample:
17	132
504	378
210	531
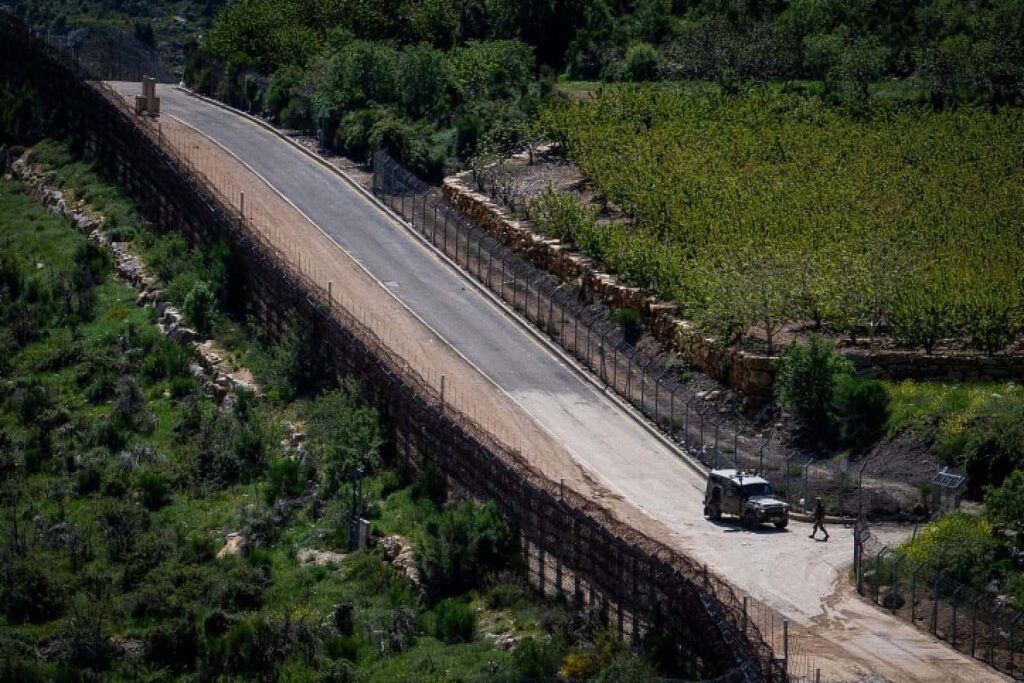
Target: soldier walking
819	518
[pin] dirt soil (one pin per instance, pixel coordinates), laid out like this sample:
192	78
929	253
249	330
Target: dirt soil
832	629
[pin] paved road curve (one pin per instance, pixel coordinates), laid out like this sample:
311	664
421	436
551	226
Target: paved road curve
788	571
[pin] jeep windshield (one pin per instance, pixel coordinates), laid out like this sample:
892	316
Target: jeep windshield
756	490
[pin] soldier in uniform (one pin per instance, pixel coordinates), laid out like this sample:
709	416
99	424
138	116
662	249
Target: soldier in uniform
819	518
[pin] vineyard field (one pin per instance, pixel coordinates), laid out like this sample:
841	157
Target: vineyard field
767	212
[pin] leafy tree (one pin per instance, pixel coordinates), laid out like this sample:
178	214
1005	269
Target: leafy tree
807	380
344	435
641	62
201	307
1004	505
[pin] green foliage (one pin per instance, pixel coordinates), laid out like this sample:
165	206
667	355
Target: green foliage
640	63
454	621
285	479
1004	505
461	546
958	545
861	407
28	592
200	307
344	435
807	380
995	446
761	210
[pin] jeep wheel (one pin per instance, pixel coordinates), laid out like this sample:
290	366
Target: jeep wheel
781	524
714	512
749	521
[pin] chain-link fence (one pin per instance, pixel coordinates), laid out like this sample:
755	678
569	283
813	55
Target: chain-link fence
651	385
976	622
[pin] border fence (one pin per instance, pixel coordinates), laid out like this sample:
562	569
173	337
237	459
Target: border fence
587	333
974	622
573	547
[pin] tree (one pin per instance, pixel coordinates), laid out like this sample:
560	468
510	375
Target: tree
641	62
344	434
807	379
1004	505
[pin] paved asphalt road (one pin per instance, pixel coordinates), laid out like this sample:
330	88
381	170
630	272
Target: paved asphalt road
788	571
593	428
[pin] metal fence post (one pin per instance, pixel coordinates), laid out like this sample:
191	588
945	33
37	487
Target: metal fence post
643	386
992	634
913	595
935	605
878	571
896	582
785	646
1013	641
956	605
672	411
974	626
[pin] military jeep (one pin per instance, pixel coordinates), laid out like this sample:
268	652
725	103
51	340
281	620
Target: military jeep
746	496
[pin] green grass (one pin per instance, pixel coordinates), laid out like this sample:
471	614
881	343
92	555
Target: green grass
946	408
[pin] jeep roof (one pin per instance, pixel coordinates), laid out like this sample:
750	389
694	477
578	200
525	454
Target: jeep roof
738	476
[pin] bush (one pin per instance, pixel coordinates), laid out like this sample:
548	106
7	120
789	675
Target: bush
28	593
536	659
174	645
995	447
154	491
201	307
641	62
632	323
460	546
862	409
1005	506
454	621
284	480
344	435
958	545
807	379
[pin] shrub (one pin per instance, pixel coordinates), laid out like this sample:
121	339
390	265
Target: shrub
995	447
454	621
344	435
1005	506
632	323
641	62
862	409
807	379
174	645
958	545
284	480
536	659
153	489
201	307
462	545
562	215
28	593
